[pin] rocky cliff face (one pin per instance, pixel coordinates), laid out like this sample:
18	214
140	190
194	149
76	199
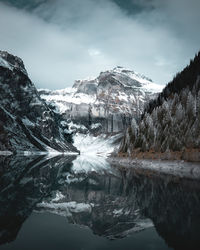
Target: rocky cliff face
107	102
26	122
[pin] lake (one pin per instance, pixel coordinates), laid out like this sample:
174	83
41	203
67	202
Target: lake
85	203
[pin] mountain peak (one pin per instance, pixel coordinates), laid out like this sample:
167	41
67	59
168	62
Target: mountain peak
123	70
11	62
113	92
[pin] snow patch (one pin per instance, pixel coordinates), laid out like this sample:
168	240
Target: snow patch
91	145
66	208
50	152
5	64
95	125
89	163
59	196
93	153
6	153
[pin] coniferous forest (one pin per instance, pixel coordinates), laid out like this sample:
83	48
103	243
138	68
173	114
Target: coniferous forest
171	122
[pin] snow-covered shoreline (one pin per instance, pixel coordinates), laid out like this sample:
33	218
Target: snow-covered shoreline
96	155
27	153
179	169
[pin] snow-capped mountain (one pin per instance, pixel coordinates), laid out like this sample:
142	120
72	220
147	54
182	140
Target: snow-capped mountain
26	122
108	101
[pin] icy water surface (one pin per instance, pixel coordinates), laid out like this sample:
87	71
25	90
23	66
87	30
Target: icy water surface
84	203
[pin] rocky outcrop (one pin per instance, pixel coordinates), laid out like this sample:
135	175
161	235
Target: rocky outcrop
26	122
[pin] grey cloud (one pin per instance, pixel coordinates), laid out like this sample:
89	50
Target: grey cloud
61	41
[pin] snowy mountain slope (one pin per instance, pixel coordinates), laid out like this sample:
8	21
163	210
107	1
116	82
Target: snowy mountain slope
26	122
111	98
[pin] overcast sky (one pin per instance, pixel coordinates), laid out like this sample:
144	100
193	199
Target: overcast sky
61	40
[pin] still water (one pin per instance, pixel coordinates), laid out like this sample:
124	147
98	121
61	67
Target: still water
65	203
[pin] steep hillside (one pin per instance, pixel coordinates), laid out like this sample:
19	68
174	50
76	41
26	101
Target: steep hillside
105	103
26	122
170	125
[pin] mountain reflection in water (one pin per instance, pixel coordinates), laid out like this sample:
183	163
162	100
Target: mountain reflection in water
112	202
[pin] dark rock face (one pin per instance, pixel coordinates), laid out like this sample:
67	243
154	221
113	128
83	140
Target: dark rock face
26	122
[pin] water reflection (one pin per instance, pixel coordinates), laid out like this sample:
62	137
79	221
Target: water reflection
25	181
113	202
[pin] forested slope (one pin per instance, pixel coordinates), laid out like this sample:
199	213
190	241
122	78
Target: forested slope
170	124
